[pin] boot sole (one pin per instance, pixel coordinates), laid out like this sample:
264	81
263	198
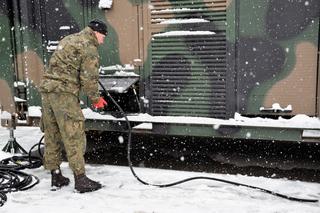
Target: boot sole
88	190
59	186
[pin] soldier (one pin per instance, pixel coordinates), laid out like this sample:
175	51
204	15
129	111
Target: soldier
73	67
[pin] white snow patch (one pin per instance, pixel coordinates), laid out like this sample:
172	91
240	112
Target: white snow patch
105	4
120	139
176	10
123	193
276	107
34	111
5	115
144	126
137	60
183	33
118	89
124	73
19	83
183	21
298	121
125	70
311	133
64	28
118	67
16	99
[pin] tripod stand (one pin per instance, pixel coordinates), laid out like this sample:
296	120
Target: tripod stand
12	145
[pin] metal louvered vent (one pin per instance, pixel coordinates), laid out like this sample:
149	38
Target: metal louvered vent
188	58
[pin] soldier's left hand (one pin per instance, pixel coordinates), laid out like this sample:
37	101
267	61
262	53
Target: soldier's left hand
100	104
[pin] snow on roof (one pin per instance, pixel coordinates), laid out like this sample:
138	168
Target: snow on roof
298	121
183	33
105	4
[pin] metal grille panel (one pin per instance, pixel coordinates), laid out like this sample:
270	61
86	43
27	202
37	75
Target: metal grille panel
189	66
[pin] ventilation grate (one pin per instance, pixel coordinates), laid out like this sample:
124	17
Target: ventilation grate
189	66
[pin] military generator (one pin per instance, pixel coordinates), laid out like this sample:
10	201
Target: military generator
217	69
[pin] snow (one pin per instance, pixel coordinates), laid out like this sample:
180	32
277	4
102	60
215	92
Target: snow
118	89
311	133
16	99
183	33
298	121
19	83
276	107
64	28
5	115
105	4
137	60
118	67
125	73
119	70
34	111
144	126
176	10
122	193
183	21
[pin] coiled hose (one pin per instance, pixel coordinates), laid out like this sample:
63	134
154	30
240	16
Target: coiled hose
12	179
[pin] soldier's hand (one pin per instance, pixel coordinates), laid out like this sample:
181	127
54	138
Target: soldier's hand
100	104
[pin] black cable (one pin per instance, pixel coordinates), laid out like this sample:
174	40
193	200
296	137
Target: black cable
192	178
12	179
3	198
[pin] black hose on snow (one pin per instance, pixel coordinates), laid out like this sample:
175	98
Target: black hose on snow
12	179
192	178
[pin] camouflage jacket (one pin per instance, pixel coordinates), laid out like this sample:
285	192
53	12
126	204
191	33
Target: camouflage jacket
74	66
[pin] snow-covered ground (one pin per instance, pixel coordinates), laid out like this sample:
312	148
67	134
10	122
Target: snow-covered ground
123	193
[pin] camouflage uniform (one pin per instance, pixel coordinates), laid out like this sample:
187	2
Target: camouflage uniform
73	67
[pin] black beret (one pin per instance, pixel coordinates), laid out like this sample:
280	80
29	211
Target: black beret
99	26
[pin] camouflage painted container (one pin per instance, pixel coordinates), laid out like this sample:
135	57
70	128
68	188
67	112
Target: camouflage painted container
203	58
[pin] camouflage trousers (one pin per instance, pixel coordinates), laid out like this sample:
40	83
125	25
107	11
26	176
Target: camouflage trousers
63	124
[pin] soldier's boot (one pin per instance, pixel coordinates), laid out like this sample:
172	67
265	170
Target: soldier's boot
83	184
57	179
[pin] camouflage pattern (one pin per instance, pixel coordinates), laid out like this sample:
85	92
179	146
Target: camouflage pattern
263	52
64	127
74	66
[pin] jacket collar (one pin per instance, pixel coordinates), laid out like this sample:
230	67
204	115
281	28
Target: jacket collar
91	36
